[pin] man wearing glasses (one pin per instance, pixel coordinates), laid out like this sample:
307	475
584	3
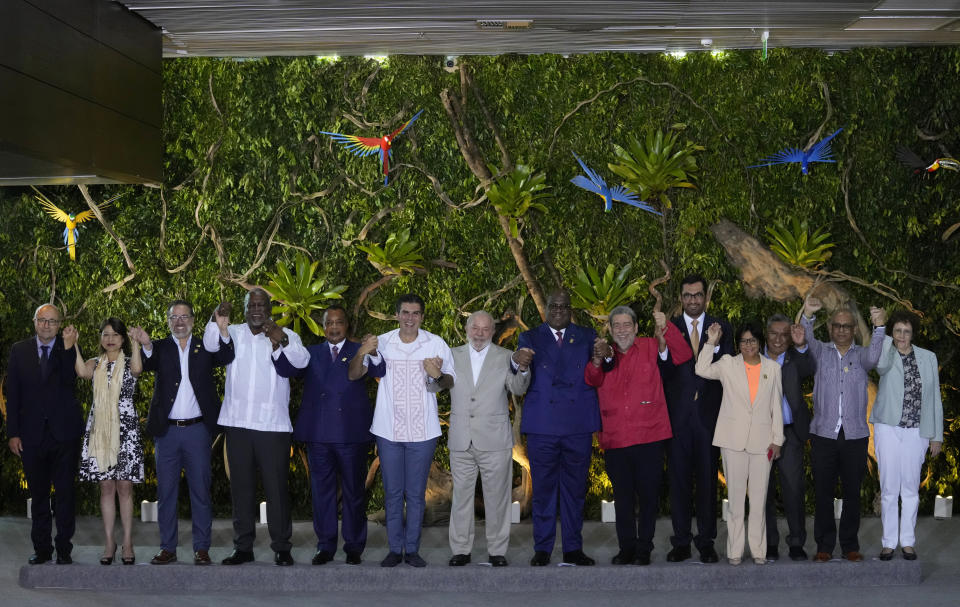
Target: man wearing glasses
183	421
560	415
839	432
694	403
44	426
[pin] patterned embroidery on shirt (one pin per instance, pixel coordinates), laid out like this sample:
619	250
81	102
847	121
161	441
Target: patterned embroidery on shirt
912	392
409	411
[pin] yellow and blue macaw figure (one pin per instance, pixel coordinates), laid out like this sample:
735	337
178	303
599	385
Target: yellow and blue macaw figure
70	232
595	183
365	146
819	152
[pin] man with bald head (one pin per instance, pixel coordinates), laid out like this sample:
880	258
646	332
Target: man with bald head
44	427
560	415
481	437
838	431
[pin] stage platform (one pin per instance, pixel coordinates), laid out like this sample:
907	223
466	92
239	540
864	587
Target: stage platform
474	583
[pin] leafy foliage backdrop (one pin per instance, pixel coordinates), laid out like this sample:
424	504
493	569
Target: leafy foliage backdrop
250	182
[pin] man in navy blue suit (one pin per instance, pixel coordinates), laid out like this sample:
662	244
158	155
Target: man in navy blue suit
560	415
44	425
334	423
694	404
183	421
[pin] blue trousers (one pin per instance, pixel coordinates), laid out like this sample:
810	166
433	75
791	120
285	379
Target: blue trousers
559	466
405	468
184	448
348	462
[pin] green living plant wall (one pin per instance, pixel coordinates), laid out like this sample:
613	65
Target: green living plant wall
251	182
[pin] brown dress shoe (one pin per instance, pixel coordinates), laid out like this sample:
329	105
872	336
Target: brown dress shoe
822	557
201	557
853	556
164	557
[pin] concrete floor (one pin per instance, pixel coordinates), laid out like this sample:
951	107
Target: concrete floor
938	543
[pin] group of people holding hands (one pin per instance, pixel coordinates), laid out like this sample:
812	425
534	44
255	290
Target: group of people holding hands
683	393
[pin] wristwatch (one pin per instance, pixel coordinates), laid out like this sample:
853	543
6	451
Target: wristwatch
285	341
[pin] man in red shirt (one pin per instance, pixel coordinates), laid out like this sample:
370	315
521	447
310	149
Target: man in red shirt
635	421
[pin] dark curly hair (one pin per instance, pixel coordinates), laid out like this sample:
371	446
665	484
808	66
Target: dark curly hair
902	316
754	328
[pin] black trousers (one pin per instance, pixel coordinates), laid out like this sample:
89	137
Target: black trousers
789	469
247	451
693	458
635	473
844	460
52	462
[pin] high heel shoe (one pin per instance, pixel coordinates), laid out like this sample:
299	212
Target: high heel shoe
128	560
108	560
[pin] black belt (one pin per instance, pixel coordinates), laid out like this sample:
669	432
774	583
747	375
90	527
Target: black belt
182	423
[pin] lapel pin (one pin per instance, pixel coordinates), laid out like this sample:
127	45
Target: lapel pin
571	340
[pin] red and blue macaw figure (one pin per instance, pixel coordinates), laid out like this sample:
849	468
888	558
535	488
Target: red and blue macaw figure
365	146
594	183
908	158
819	152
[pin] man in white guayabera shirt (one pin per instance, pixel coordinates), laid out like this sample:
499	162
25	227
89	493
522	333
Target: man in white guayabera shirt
256	419
405	422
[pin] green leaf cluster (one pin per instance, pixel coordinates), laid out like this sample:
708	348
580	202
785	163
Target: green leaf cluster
516	194
399	255
655	164
598	294
797	246
300	295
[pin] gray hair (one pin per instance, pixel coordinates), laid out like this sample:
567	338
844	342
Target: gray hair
623	310
259	291
475	315
47	305
776	318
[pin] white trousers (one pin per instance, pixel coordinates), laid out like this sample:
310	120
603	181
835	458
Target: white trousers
900	456
496	476
748	475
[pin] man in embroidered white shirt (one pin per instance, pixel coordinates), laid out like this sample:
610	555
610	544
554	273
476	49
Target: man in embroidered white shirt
405	422
256	419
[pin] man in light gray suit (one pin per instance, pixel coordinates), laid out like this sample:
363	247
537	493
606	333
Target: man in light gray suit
481	438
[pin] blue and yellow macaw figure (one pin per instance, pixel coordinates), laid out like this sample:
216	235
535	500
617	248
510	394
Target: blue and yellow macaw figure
70	232
365	146
594	183
819	152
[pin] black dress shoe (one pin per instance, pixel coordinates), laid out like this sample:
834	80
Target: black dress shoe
459	560
577	557
283	558
353	558
239	557
322	557
391	560
498	561
886	554
643	558
623	558
540	559
773	554
66	559
797	553
709	555
414	559
678	554
907	556
39	558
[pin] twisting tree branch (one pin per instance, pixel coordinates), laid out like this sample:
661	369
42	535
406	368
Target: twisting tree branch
826	99
362	235
123	248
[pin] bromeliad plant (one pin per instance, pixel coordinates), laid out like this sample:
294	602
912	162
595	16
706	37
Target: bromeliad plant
598	295
653	166
399	255
797	246
515	194
299	294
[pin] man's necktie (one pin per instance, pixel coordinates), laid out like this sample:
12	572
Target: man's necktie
334	351
694	337
559	338
44	360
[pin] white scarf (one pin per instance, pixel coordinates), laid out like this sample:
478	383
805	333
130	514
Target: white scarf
105	433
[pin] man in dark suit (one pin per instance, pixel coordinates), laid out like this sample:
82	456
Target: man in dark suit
560	415
694	403
44	426
786	344
183	421
334	423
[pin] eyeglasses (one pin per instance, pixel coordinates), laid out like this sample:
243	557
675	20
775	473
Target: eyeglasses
176	317
559	307
842	326
748	341
698	295
50	322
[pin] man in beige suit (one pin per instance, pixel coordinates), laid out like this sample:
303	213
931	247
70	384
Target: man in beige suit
481	438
